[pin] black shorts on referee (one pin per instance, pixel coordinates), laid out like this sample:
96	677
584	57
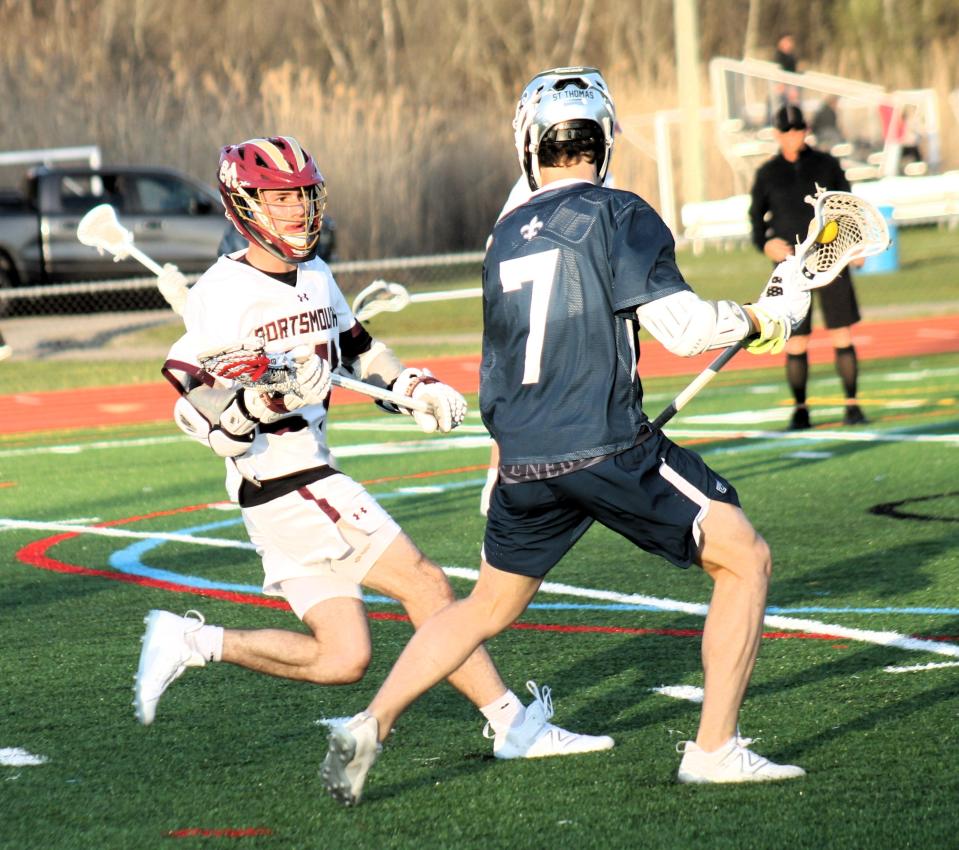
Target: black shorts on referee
838	304
654	494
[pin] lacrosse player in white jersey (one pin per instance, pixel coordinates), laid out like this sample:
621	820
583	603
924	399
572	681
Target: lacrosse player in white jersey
319	533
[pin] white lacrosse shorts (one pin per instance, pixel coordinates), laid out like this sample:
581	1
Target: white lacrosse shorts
330	529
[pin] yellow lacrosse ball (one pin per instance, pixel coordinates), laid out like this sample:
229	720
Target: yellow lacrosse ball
828	233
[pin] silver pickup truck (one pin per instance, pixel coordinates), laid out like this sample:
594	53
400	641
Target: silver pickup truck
173	218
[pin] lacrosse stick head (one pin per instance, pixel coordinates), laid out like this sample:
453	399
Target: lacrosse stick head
275	196
379	297
844	228
100	229
249	364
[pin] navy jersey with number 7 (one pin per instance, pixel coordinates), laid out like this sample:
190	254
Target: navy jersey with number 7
562	277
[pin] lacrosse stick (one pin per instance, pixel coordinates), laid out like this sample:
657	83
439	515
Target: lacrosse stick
100	229
844	228
253	365
382	296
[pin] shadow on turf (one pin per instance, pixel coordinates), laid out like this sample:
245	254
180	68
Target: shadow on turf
869	660
889	572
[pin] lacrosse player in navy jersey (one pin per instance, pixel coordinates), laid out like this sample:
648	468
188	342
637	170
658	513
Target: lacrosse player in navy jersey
568	279
319	534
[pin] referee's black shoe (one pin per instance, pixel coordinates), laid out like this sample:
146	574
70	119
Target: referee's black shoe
800	420
854	415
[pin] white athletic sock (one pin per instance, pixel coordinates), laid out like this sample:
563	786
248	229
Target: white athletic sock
505	712
208	641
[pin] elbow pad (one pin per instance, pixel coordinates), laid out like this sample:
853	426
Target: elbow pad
229	445
196	426
378	366
687	325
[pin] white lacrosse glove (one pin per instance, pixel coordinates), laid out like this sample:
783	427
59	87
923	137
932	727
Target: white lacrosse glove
492	476
781	307
447	406
262	406
173	287
312	379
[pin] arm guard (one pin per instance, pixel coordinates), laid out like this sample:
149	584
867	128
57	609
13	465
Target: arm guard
232	434
687	325
378	366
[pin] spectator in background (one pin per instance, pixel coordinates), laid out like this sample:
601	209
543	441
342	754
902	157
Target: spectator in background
786	53
780	217
785	57
825	124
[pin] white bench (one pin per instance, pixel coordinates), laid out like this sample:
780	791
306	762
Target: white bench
915	200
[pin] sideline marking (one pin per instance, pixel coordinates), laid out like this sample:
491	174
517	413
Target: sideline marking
332	721
226	832
444	444
915	668
815	627
16	757
686	692
35	555
119	532
128	560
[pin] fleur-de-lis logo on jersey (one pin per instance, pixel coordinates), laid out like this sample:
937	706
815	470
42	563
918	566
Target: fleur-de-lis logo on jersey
528	231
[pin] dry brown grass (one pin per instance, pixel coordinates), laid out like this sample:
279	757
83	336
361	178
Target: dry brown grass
406	104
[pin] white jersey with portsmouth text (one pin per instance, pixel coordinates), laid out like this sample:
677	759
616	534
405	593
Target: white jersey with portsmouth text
233	300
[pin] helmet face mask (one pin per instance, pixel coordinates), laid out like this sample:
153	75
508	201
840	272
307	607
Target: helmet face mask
275	196
556	97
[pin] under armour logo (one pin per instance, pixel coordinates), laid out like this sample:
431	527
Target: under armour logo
356	514
528	231
303	296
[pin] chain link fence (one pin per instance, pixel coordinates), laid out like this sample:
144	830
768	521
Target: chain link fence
79	319
417	274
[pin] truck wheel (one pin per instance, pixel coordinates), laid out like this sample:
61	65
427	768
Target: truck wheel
7	281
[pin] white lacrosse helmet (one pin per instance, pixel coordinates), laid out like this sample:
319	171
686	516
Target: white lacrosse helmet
557	97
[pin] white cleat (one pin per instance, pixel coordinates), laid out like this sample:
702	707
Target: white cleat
353	749
168	649
5	351
732	762
536	737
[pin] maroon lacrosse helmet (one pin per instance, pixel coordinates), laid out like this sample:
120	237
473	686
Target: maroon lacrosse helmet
288	226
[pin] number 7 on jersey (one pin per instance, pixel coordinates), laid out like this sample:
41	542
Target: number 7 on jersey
540	270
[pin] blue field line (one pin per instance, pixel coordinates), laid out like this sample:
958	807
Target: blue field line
130	560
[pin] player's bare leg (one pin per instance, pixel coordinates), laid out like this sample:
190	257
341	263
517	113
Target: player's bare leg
446	640
451	640
738	561
420	586
336	653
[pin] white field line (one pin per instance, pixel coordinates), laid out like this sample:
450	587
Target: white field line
892	639
915	668
438	444
879	638
16	757
817	435
11	524
686	692
481	440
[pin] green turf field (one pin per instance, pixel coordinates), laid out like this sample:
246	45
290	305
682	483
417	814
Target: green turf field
864	525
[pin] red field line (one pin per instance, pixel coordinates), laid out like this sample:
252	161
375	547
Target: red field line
93	407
